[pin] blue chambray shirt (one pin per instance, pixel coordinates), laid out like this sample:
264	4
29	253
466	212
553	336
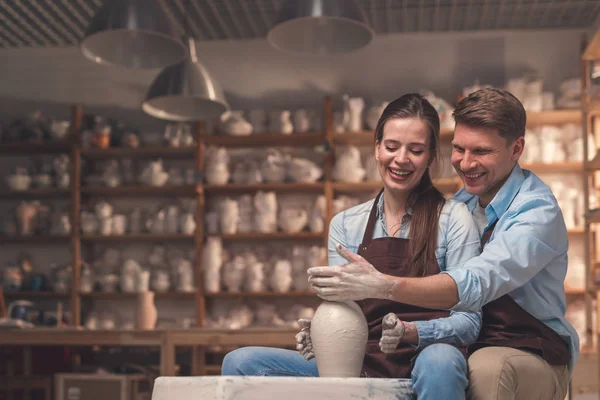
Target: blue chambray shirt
525	257
458	241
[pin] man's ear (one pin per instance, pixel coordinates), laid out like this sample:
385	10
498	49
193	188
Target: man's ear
517	148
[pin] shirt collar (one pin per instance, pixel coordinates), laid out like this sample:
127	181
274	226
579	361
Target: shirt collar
501	200
380	213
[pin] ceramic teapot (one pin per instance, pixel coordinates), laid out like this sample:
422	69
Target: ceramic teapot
233	123
154	174
348	166
273	168
304	170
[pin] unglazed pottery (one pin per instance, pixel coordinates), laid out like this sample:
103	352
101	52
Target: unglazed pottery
339	335
146	313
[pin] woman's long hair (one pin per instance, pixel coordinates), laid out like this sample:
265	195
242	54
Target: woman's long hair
425	200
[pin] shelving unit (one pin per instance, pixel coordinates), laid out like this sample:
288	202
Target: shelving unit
324	142
590	107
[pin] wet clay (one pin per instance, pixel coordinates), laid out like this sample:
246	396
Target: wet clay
339	336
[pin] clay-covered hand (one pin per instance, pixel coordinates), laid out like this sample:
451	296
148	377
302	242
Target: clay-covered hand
357	280
392	331
303	342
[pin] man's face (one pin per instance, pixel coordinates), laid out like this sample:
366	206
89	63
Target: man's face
483	159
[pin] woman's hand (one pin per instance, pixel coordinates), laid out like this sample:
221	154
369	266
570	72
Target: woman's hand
303	341
357	280
392	331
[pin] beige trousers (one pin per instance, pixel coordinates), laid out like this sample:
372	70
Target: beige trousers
504	373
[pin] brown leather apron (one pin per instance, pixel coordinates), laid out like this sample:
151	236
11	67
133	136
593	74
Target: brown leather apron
389	255
507	324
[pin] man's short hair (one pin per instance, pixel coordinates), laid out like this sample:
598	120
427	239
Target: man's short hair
493	108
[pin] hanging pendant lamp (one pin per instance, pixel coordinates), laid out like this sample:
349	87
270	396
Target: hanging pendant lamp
133	34
322	27
185	92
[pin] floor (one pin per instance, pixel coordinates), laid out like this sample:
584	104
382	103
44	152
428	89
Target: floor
585	383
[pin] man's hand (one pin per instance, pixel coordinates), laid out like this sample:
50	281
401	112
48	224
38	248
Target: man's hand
303	342
356	280
392	330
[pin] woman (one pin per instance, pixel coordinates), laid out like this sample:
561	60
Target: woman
409	229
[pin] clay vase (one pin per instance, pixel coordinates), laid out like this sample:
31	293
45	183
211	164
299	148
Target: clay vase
339	334
146	313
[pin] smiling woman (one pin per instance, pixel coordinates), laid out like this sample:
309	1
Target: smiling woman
406	144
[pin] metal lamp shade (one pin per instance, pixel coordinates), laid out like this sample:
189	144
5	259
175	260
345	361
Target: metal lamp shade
320	27
133	34
185	92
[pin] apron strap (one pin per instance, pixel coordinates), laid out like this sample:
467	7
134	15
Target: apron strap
487	234
368	236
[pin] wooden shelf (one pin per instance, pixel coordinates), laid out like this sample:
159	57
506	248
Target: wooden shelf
270	236
35	239
142	237
576	231
574	292
592	50
213	369
554	117
261	294
34	193
594	164
444	185
283	187
140	152
123	296
52	295
267	139
565	167
593	216
367	138
140	190
29	148
356	187
448	184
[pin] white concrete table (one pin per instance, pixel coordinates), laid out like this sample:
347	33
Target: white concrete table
284	388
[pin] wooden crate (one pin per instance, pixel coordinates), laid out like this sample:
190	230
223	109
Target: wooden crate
101	387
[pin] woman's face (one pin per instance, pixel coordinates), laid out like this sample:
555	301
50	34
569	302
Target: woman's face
403	154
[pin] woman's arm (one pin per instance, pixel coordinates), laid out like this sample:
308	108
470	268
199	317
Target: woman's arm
337	234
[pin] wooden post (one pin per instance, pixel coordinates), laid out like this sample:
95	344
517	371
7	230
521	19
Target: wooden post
77	116
199	357
199	234
329	163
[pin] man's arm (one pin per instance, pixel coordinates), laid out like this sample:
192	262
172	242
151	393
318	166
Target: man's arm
530	239
435	291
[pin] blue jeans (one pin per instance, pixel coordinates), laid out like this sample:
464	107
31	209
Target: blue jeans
440	370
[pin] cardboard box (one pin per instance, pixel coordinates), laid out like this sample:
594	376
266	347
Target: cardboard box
101	387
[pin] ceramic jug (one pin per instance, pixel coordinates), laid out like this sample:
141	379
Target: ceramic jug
339	336
146	313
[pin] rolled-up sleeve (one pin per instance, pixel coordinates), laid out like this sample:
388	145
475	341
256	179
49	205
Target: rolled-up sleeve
460	328
529	238
336	235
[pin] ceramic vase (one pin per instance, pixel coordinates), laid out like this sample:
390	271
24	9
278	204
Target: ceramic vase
339	336
146	313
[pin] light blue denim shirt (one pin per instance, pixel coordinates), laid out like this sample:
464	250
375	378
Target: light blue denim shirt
458	241
525	257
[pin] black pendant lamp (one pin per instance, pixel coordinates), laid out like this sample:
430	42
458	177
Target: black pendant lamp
320	27
133	34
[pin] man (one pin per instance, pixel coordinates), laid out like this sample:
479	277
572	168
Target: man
526	349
